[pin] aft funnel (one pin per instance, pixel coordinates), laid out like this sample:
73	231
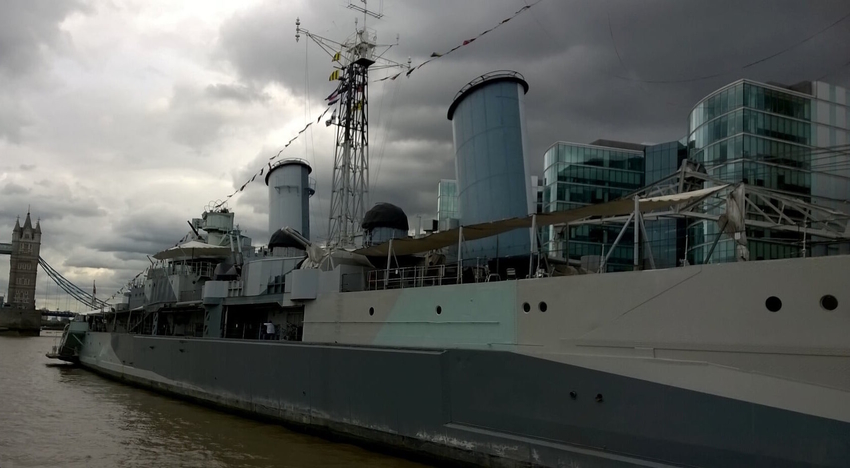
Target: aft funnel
289	196
488	120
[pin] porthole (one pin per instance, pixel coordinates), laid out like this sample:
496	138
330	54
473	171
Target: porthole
773	304
599	398
829	302
573	395
526	307
439	310
542	306
371	311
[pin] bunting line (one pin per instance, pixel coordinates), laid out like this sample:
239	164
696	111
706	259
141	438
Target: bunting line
437	55
126	285
323	114
269	163
335	96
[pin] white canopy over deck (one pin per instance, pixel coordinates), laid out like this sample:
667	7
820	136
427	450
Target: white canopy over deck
450	237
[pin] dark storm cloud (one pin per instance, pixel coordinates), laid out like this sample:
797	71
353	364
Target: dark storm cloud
73	122
143	232
85	260
82	266
196	118
410	182
658	40
29	35
62	202
593	68
260	42
129	257
29	31
14	116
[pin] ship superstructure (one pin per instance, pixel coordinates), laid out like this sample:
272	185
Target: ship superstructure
708	365
470	343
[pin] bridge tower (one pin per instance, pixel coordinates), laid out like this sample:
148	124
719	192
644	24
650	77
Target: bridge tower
23	264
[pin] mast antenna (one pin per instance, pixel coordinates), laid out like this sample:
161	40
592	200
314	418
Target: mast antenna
353	60
353	4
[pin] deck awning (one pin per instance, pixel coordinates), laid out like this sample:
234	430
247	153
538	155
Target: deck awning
193	249
439	240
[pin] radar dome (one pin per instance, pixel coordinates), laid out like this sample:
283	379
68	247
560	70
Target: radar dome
385	215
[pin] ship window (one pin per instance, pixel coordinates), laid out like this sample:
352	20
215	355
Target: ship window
371	311
439	310
773	304
829	302
526	307
542	306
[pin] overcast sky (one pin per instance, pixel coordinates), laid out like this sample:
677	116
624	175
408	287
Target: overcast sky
120	120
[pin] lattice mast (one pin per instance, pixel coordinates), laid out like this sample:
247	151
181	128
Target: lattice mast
355	57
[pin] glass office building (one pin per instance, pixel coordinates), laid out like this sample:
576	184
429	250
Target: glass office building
448	213
537	193
666	236
788	139
664	159
576	175
794	140
447	210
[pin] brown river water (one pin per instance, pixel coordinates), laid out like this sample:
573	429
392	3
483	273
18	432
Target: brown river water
56	415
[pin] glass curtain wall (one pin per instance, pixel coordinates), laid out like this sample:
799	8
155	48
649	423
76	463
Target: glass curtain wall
761	136
666	236
447	207
577	175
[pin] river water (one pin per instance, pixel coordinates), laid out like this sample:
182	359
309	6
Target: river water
56	415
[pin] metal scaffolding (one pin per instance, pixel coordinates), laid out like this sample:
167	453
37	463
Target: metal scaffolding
734	208
356	56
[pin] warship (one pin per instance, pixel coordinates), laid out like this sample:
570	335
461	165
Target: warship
470	344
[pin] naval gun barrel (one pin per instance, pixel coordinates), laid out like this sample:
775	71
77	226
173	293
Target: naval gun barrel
315	253
297	236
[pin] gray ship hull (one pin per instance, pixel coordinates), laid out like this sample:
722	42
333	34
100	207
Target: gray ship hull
491	408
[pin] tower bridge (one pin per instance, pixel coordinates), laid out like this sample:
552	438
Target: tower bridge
18	312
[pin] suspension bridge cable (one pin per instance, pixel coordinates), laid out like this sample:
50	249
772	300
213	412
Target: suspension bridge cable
71	289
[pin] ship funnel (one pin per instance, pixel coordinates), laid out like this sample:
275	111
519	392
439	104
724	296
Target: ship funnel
488	122
290	189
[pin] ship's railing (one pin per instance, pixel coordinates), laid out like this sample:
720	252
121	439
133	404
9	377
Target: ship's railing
436	275
410	277
197	269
